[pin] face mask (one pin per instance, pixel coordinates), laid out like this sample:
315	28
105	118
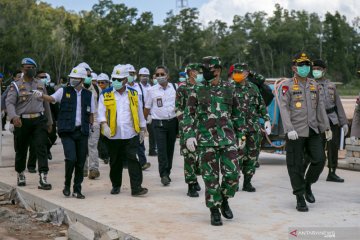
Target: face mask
155	81
117	85
199	78
317	74
161	80
144	80
208	75
64	84
44	80
130	79
87	80
30	73
182	79
239	77
303	71
75	82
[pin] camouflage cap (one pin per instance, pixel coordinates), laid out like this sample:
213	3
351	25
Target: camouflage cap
241	67
301	57
211	61
193	66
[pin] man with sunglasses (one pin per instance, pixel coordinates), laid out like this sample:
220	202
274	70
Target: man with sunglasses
122	122
304	118
161	103
210	124
103	81
77	107
32	121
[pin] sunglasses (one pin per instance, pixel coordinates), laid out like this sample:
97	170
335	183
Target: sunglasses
102	82
42	77
160	74
118	79
300	64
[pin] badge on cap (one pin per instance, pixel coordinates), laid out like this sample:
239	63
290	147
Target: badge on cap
284	90
298	105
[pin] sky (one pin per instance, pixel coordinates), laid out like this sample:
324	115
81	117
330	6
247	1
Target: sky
224	10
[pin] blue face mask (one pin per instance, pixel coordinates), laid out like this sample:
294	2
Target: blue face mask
87	80
155	81
130	79
44	81
182	79
117	85
199	78
303	71
317	74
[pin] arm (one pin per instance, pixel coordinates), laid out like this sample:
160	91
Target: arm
321	114
47	111
141	113
10	102
262	107
189	116
93	109
148	105
101	110
284	105
340	110
179	104
238	116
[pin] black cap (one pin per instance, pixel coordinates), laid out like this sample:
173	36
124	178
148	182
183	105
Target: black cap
301	57
319	63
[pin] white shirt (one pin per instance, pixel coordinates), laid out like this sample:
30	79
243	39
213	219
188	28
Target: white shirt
125	125
145	90
58	95
161	101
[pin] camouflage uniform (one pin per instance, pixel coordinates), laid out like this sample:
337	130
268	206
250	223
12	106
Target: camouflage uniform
209	117
252	107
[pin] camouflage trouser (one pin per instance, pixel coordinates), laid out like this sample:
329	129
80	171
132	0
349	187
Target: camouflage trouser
191	165
211	160
250	154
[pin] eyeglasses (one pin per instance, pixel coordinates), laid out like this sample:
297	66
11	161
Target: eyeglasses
42	77
102	82
160	74
300	64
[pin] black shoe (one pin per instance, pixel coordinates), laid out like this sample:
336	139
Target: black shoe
43	184
66	191
332	177
21	180
215	217
225	209
49	155
301	204
78	195
247	186
309	196
153	154
192	190
115	190
165	180
106	161
197	187
146	166
257	164
169	178
140	191
32	170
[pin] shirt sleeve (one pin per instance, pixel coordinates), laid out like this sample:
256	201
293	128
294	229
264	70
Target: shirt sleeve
141	114
148	103
284	103
10	102
58	95
92	104
101	110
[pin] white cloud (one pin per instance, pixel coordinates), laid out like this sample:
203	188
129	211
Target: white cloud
226	9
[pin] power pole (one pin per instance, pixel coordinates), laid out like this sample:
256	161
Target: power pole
181	4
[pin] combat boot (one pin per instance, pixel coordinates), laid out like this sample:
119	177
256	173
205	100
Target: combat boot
21	180
247	186
215	217
309	196
197	187
192	190
225	209
43	184
94	173
301	204
332	177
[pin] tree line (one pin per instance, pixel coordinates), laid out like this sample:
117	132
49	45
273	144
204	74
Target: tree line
112	33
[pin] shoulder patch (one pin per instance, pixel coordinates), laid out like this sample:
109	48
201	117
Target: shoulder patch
284	90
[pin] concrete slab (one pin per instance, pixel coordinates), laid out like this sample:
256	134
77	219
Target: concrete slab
167	213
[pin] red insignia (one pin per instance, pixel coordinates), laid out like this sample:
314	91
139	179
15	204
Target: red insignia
284	90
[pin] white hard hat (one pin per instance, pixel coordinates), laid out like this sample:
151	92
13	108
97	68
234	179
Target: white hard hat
85	65
94	76
78	72
103	77
144	71
120	71
130	68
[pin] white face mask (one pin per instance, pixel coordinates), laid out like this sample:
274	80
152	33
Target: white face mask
161	80
75	82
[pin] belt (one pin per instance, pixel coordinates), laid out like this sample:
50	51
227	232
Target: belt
31	115
164	120
331	110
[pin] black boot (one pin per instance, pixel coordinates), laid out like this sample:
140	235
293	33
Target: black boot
257	164
43	184
197	187
225	209
332	177
215	217
192	190
309	196
301	204
247	184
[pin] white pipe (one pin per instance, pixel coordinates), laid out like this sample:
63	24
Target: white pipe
342	139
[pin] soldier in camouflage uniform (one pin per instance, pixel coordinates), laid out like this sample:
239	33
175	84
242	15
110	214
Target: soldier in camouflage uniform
209	123
191	164
252	108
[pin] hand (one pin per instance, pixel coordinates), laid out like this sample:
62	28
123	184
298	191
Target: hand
17	122
149	119
353	140
2	113
37	93
142	135
328	135
242	143
11	128
292	135
106	130
268	127
191	144
346	129
49	129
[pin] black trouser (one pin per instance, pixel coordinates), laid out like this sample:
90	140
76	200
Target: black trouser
332	146
52	137
165	135
141	153
295	150
3	120
152	140
32	130
75	149
120	150
31	163
103	148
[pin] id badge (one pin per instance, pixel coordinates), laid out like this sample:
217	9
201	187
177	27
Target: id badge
159	102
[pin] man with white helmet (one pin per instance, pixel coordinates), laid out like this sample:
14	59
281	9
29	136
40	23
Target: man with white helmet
122	122
103	81
144	76
77	106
